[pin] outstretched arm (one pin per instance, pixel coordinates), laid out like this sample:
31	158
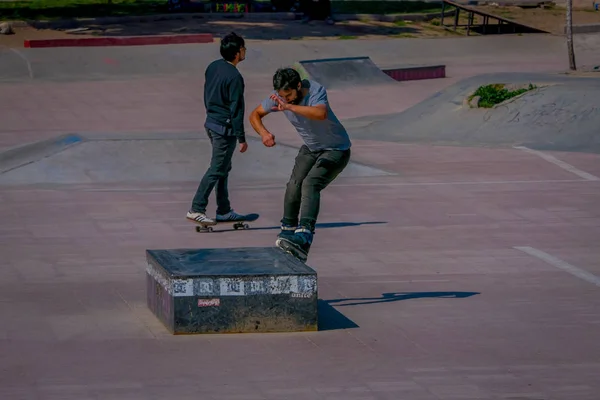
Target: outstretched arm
256	117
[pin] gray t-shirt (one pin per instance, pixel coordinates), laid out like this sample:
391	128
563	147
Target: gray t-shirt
328	134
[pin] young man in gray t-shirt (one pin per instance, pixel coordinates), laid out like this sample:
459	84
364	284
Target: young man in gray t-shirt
325	153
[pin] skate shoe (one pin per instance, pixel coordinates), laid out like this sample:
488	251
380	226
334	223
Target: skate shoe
231	216
287	231
200	218
297	244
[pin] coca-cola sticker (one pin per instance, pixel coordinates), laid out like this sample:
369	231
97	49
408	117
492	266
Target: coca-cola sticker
209	302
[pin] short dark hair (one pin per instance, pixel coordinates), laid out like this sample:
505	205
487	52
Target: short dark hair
286	78
231	44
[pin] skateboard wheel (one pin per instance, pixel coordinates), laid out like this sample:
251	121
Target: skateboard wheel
246	226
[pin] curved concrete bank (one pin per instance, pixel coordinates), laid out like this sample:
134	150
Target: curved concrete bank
563	114
147	158
334	73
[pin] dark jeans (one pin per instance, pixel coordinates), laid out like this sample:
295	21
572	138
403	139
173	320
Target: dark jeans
217	174
313	172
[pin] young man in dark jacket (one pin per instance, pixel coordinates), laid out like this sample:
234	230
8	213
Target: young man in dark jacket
224	102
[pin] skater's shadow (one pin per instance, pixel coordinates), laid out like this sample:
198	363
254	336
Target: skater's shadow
324	225
345	224
332	319
398	296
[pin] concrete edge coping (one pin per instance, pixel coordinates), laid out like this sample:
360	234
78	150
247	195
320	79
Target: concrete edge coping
277	16
408	67
584	28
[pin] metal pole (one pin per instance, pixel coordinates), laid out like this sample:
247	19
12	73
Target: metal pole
443	12
572	65
456	18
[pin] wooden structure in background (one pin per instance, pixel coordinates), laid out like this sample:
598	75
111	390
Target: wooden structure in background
504	25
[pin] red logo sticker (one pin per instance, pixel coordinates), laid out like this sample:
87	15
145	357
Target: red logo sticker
209	302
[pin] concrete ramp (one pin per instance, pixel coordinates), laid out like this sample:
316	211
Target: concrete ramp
340	73
563	114
148	159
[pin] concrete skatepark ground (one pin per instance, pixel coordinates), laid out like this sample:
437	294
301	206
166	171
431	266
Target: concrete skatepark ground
445	272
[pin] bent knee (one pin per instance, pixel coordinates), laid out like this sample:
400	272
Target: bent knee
293	183
313	185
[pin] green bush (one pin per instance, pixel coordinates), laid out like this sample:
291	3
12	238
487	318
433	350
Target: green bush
59	9
490	95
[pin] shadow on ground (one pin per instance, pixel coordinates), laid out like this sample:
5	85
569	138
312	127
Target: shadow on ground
318	226
260	30
332	319
399	296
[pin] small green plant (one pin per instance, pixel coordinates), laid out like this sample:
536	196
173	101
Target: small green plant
404	35
346	37
490	95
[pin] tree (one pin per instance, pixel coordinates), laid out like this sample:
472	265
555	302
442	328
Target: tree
569	32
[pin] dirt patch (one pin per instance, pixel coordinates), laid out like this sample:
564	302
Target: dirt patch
22	34
547	19
251	30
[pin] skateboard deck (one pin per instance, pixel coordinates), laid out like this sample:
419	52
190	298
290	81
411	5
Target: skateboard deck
239	224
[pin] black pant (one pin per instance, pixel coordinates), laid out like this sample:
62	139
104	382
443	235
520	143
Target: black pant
217	174
312	172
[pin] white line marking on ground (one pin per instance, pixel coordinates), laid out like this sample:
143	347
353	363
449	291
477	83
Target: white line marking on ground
558	263
22	56
561	164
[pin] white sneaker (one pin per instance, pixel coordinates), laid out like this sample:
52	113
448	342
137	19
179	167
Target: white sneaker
200	218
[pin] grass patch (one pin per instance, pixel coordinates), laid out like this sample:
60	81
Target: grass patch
346	37
383	7
65	9
490	95
404	35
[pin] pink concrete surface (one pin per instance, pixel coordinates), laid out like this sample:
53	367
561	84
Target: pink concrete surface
120	41
75	323
435	301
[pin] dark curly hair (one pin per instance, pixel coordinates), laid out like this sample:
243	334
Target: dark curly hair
285	79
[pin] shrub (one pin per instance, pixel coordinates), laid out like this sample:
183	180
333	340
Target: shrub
490	95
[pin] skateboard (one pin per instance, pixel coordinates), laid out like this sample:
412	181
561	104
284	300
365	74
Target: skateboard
239	224
290	248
